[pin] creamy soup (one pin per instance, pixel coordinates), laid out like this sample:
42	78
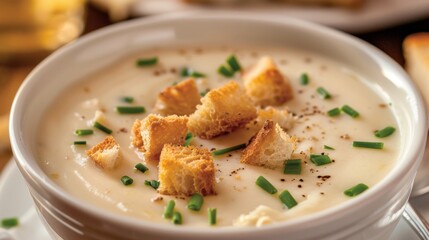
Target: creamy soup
315	189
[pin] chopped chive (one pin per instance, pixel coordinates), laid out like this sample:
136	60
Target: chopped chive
356	190
304	79
169	209
292	166
229	149
226	72
287	199
212	216
130	110
142	168
127	99
325	94
203	93
319	160
152	183
188	139
385	132
177	218
334	112
233	63
9	222
373	145
265	185
184	72
126	180
142	62
197	74
328	147
350	111
83	132
196	202
102	127
79	143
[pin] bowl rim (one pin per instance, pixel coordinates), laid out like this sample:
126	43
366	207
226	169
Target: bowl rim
21	153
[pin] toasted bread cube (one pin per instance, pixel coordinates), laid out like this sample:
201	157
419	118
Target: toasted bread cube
265	85
269	148
105	153
181	99
416	52
151	133
281	117
222	111
186	170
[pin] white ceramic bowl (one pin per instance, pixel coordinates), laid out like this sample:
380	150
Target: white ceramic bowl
370	216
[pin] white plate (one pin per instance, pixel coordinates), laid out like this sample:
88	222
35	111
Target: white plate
15	201
376	14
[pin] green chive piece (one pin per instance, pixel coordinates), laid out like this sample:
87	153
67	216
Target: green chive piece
356	190
142	62
127	99
126	180
373	145
292	166
188	139
197	75
196	202
328	147
184	72
169	209
226	72
79	143
229	149
233	63
203	93
385	132
9	222
303	79
177	218
142	168
319	160
325	94
130	110
350	111
152	183
212	216
287	199
102	127
83	132
265	185
334	112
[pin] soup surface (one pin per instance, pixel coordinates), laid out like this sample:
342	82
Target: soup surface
315	189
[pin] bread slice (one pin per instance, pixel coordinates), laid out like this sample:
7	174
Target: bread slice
222	111
281	117
180	99
186	170
151	133
269	148
265	85
416	52
105	153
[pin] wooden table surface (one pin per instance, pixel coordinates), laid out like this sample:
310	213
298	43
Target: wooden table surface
388	40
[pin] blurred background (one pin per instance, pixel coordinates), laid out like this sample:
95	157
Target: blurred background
30	30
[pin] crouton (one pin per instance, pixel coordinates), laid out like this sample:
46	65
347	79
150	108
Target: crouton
151	133
265	85
181	99
282	117
416	52
106	153
186	170
269	148
222	111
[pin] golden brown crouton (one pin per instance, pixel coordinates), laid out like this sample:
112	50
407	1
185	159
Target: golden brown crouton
181	99
265	85
105	153
282	117
186	170
416	52
222	111
269	148
151	133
